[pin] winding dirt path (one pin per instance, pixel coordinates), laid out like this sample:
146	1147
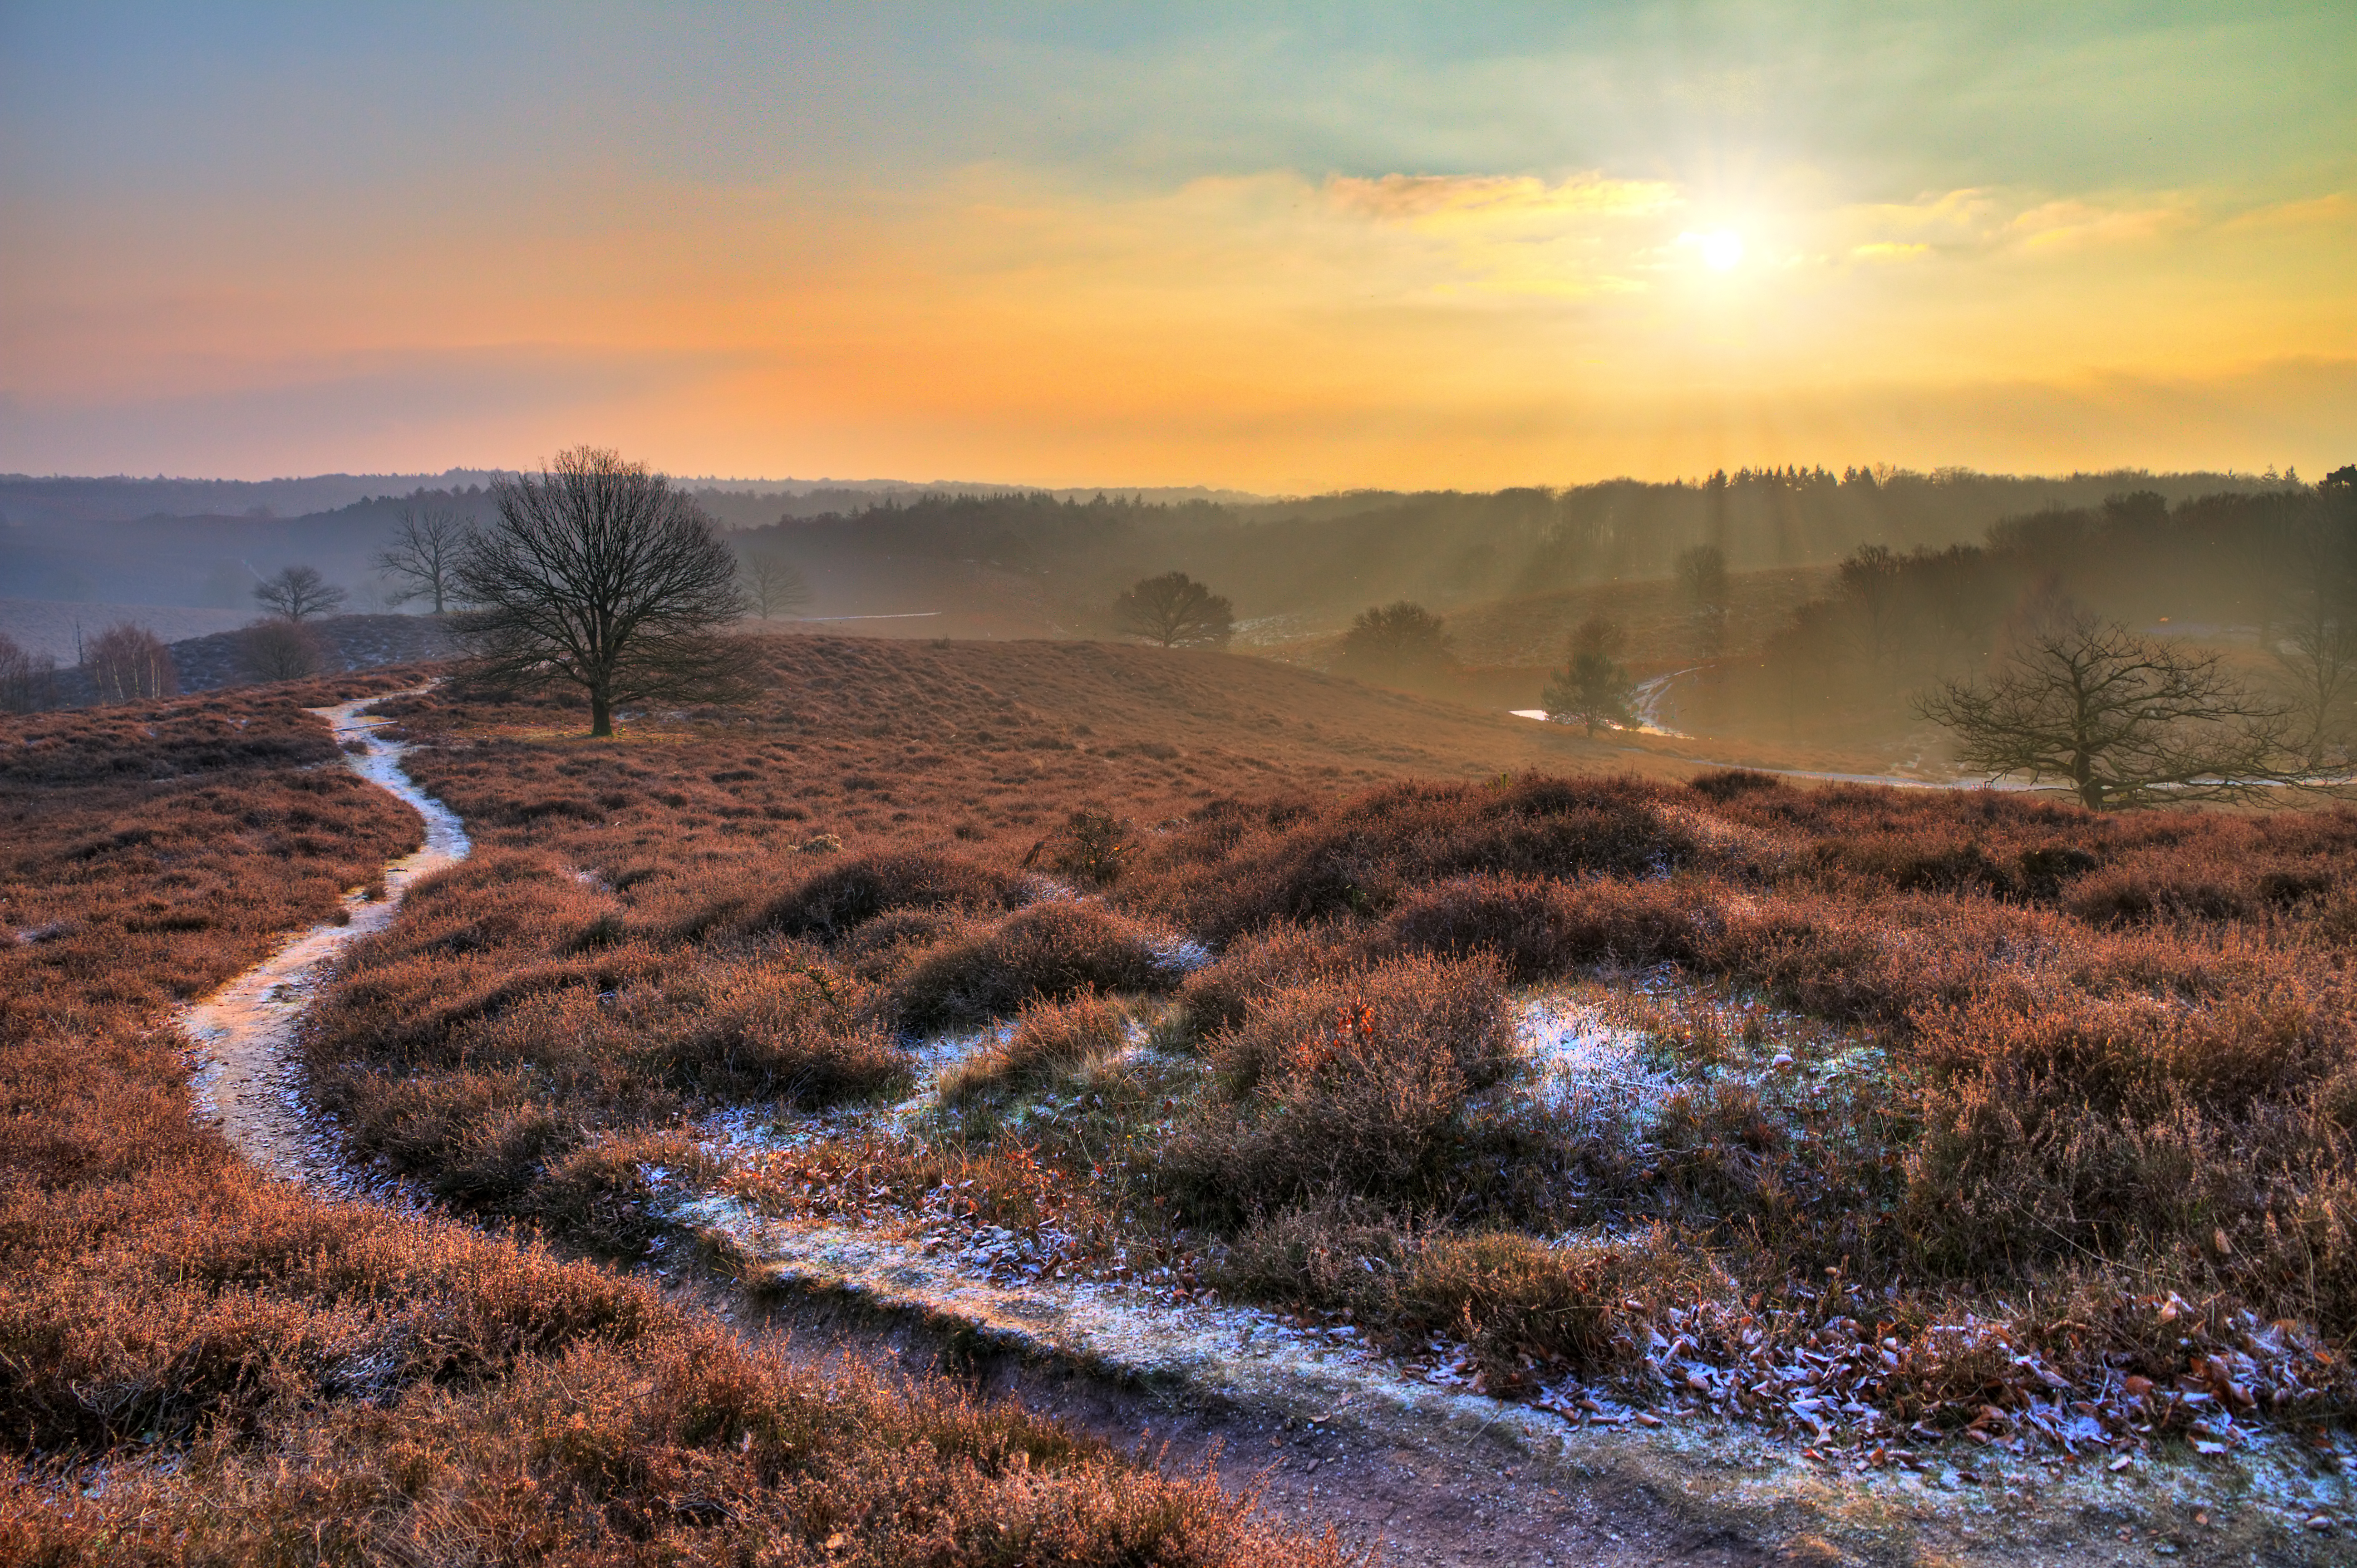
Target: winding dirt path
245	1031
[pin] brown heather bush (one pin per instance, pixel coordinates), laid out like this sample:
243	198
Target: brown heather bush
1050	951
198	1364
1539	928
1298	862
1047	1037
1512	1299
834	901
1217	995
2191	1131
1353	1086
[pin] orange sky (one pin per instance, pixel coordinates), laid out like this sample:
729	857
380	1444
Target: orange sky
1195	280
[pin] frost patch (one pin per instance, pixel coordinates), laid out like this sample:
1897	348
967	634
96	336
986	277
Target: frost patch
1179	955
1593	1073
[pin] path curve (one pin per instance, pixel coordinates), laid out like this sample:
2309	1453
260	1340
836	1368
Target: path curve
244	1032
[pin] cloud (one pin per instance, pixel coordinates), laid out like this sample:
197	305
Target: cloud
1499	201
1985	221
2074	225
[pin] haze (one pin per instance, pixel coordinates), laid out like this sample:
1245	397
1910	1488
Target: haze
1254	247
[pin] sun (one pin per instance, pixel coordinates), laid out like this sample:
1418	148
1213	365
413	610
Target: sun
1722	250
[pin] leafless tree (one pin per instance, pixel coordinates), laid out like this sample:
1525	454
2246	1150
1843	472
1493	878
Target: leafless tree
423	554
598	574
281	651
2308	620
2122	719
773	584
128	664
1870	579
1702	573
1176	611
298	593
29	682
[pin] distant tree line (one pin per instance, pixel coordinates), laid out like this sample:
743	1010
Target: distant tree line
2079	644
1329	553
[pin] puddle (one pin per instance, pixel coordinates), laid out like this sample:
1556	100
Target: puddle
248	1083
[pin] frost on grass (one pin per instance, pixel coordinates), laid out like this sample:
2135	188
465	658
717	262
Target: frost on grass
1593	1073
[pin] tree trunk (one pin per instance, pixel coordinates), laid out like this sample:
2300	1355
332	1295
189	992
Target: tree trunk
601	714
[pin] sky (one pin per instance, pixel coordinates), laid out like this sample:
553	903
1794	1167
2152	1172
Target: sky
1273	246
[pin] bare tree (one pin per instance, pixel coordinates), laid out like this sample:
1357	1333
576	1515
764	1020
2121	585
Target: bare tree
773	584
1176	611
1870	579
598	574
1593	689
2123	720
298	593
128	664
423	554
1702	573
281	651
29	682
2312	631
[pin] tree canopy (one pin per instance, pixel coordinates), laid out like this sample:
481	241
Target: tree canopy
597	574
1176	611
2122	719
1593	689
1398	641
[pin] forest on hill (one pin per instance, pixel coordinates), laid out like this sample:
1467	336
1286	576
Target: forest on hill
865	547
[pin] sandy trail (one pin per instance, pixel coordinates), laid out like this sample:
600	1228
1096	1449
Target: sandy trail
245	1031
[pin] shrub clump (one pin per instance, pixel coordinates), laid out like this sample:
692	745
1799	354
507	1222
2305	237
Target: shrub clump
1051	951
832	902
1049	1038
1230	874
1352	1086
1539	928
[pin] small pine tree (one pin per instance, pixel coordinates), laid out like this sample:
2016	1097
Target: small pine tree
1593	689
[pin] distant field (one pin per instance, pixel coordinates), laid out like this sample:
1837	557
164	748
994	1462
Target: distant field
1653	615
1505	648
46	625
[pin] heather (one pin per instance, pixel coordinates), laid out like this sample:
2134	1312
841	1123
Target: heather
1874	1062
198	1363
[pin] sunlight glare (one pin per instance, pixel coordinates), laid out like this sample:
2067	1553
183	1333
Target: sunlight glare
1722	250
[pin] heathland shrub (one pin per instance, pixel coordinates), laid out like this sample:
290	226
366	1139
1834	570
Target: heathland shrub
1049	1038
1514	1300
1356	1085
1050	951
1217	995
1541	927
847	894
1361	855
774	1032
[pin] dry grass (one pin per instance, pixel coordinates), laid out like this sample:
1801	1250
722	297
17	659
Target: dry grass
200	1365
2100	1059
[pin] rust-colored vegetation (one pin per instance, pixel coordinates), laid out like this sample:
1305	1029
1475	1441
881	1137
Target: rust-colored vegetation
198	1364
1921	1059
